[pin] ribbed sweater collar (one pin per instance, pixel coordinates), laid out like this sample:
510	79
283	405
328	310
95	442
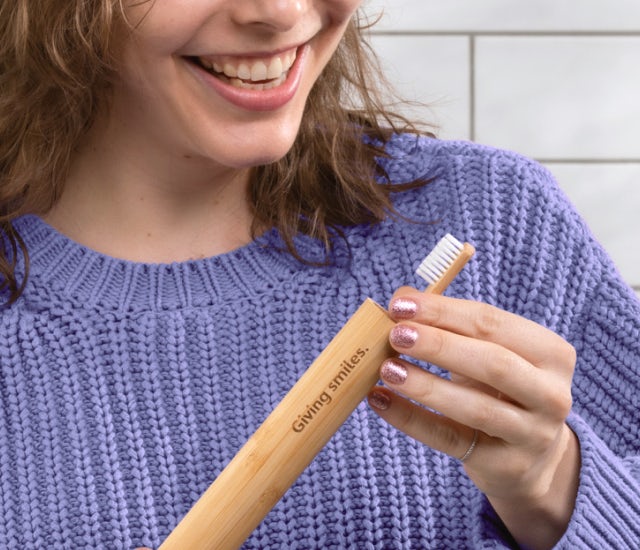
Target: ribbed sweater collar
63	270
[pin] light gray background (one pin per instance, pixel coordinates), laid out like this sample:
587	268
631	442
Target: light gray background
557	80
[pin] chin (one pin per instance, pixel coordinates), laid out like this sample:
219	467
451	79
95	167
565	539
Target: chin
263	160
257	149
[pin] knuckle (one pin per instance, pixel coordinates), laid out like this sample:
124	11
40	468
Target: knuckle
544	439
559	404
567	405
486	322
540	437
448	438
570	356
484	417
434	313
563	355
437	343
500	368
426	389
409	419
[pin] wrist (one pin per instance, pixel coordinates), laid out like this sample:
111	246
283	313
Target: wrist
539	522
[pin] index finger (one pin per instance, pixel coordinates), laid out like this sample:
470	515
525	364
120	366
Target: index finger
532	341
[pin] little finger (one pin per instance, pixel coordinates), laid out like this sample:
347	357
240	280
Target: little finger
434	430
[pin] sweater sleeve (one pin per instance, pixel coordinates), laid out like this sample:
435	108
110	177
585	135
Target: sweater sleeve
536	258
546	265
606	414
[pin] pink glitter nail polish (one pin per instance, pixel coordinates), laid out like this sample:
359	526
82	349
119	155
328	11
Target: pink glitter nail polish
393	372
403	308
403	336
379	400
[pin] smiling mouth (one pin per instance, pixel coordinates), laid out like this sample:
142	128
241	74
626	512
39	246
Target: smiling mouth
249	73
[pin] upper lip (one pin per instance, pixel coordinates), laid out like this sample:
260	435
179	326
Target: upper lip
251	67
249	55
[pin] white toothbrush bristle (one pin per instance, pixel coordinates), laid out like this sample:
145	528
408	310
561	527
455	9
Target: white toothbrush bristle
439	259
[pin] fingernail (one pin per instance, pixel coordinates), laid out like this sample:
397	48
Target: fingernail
403	308
393	372
403	337
379	400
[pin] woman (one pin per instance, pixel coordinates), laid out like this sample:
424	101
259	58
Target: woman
195	197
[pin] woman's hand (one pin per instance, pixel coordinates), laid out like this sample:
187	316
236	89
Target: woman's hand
503	411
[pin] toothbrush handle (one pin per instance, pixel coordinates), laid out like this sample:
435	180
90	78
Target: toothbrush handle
291	436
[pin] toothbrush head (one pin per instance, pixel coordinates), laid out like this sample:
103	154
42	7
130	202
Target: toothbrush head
444	262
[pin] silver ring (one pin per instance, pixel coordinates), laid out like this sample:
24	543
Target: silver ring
471	447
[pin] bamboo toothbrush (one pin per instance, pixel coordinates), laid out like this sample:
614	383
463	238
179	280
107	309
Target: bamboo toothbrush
302	423
444	262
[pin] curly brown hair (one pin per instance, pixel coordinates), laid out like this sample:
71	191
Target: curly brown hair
56	65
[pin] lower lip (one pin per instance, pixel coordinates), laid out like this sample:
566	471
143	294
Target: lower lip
259	100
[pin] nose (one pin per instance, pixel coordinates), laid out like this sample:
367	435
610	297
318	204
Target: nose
280	15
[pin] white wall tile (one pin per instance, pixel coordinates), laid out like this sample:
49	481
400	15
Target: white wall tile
433	71
507	15
608	197
553	79
559	97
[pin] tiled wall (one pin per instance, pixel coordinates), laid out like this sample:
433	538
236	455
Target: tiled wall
557	80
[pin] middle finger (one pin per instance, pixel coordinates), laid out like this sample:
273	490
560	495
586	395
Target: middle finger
480	360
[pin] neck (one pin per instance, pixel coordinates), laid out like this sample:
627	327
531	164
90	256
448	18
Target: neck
151	208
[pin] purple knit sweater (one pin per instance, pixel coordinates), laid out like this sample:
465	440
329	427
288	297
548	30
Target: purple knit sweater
125	388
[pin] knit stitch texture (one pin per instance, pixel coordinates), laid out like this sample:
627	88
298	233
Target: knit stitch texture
125	388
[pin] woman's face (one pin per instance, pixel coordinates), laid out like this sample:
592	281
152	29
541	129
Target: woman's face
223	80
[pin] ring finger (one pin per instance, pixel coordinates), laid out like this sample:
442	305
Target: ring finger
463	404
432	429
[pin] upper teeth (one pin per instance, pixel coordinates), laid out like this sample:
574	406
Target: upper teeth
250	69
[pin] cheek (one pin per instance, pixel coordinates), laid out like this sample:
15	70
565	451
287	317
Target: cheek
161	28
342	9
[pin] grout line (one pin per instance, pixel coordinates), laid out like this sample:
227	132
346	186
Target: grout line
472	87
473	35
